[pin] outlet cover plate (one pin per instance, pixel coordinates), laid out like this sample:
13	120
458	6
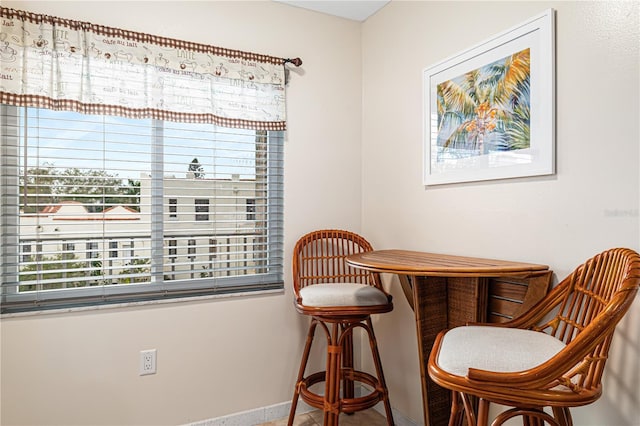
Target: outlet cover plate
148	362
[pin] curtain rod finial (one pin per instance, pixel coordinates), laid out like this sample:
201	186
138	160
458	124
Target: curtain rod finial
295	61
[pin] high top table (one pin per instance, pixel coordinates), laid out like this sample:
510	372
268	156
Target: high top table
445	291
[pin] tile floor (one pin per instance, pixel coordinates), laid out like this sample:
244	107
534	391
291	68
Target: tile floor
314	418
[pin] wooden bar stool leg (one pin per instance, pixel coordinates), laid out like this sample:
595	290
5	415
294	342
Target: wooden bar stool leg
528	420
303	367
332	385
378	364
457	411
483	412
469	412
563	416
348	387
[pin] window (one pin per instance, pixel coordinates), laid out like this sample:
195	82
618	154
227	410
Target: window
192	250
202	209
26	253
78	186
113	249
173	208
68	251
87	180
251	209
173	251
92	250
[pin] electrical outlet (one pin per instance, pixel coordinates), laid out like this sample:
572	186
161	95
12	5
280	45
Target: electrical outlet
148	362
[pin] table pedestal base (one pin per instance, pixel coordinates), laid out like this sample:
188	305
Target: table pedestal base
440	303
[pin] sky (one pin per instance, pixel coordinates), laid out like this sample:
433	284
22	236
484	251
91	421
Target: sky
123	146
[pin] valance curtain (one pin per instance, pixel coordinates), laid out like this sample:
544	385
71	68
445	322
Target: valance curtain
60	64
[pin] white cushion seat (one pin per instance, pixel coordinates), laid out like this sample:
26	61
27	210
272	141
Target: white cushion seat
341	294
495	349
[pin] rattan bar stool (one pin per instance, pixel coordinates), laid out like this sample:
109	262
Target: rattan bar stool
552	356
339	299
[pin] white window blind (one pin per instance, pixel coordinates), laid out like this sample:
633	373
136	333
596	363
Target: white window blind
104	209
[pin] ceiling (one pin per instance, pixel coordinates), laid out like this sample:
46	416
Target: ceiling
357	10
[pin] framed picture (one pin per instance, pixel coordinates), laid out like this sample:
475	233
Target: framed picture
489	111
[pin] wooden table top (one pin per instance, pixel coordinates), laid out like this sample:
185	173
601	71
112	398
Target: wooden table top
408	262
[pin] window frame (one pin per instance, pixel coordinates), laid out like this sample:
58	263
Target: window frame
158	288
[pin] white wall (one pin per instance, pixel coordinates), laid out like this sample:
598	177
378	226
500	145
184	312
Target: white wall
214	357
591	203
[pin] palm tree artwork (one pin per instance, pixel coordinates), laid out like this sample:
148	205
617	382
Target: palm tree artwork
485	110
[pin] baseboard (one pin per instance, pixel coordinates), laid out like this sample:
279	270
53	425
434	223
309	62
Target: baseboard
278	411
255	416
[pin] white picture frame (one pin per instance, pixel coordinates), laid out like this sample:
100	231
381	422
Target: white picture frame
489	111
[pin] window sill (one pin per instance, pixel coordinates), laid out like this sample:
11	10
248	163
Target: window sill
142	303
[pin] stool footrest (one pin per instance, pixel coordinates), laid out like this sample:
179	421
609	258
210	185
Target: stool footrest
346	405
